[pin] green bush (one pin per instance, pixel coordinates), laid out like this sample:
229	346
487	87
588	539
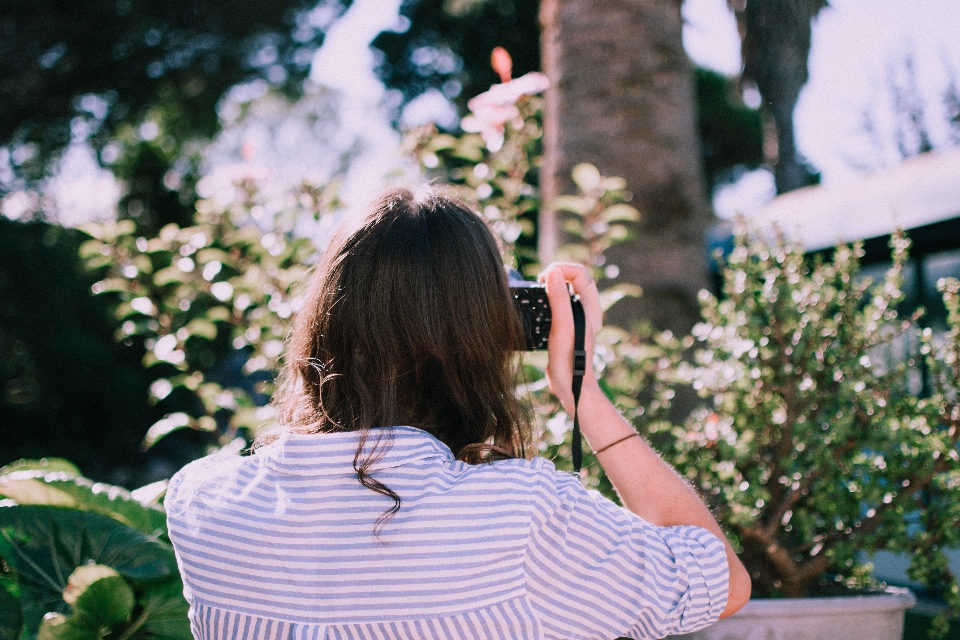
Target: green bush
812	445
211	302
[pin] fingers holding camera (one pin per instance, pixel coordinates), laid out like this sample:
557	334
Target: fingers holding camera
583	285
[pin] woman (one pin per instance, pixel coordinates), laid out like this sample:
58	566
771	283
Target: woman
399	499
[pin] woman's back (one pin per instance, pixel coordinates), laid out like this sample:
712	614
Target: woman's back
282	544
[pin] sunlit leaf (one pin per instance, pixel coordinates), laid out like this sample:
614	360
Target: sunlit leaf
210	254
168	275
586	176
90	250
59	489
49	465
618	233
150	493
218	314
441	141
108	285
574	204
470	148
58	626
164	426
203	328
99	595
620	213
613	295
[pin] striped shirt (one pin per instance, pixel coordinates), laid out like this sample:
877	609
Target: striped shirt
281	545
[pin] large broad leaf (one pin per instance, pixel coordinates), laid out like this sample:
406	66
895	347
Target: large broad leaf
46	465
166	611
44	545
34	487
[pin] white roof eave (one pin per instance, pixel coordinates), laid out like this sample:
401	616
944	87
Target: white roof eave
922	190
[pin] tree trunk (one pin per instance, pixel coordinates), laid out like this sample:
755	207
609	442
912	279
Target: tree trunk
622	98
776	45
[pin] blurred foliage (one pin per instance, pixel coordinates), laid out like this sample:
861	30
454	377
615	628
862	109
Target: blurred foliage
497	168
66	387
141	81
209	303
731	134
80	560
447	47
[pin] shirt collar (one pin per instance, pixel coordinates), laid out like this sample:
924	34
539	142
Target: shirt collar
333	453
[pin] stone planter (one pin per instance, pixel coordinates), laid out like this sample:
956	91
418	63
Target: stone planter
877	617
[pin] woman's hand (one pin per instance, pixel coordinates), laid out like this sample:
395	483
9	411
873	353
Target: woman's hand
560	342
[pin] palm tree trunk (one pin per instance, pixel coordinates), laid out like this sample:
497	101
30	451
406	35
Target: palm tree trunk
622	98
776	46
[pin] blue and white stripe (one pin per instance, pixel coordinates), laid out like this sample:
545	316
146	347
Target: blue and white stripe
281	545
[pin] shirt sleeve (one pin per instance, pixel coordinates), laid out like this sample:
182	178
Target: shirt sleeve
596	570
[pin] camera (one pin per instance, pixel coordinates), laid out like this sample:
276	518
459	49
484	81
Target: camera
530	299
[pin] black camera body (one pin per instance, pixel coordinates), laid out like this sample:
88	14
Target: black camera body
534	309
533	306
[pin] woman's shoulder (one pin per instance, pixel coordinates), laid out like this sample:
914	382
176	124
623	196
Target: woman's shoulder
207	471
535	473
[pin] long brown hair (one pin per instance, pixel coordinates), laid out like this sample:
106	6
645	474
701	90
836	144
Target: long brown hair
409	321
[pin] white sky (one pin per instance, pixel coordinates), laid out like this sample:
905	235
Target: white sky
854	41
855	45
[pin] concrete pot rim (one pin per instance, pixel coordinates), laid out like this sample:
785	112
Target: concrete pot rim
891	599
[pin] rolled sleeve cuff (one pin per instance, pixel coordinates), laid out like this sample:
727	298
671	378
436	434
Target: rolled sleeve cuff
701	555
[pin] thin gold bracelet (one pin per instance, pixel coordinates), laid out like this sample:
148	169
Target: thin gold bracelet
615	442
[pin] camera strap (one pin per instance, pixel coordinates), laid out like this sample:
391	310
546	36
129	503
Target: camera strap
579	369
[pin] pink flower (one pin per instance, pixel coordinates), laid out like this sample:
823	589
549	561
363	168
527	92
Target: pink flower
490	110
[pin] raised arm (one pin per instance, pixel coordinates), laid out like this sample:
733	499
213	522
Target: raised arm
647	485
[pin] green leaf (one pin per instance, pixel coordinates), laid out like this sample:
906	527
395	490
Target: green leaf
11	619
164	426
618	233
108	285
470	148
124	228
108	602
168	275
613	295
57	626
574	204
202	328
218	314
586	176
49	465
99	595
44	545
58	489
209	254
150	493
441	141
166	611
620	212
